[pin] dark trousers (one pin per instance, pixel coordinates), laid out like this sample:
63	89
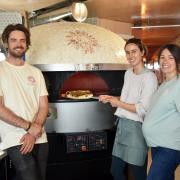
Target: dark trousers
118	167
31	166
164	163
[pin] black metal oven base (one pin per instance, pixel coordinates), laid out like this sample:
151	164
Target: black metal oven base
89	165
95	169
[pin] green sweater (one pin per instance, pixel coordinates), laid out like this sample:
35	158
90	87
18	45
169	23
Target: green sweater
161	126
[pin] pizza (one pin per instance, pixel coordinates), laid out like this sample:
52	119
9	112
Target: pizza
79	94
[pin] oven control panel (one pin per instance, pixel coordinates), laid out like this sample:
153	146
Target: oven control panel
81	142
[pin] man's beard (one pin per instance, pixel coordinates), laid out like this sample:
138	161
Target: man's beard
16	54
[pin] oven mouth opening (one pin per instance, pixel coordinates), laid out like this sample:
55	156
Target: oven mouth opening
84	81
98	82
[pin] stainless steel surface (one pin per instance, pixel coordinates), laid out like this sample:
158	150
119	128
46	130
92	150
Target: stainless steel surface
52	113
81	67
80	117
39	21
70	11
49	9
95	97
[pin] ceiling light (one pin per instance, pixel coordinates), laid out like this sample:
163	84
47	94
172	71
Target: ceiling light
79	11
143	9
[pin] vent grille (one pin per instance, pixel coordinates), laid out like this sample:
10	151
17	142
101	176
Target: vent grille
9	18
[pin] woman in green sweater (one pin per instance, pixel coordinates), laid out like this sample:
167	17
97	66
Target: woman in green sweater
161	127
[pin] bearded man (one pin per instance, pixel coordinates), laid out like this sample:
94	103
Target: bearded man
23	107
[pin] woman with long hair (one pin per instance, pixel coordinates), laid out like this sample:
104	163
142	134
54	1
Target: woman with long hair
139	85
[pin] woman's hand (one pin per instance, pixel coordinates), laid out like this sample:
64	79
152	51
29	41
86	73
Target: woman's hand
105	98
115	102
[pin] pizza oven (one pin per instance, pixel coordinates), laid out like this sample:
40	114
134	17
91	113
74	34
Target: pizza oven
79	56
81	131
81	115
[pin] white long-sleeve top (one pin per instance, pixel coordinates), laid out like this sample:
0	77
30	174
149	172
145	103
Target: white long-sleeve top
138	90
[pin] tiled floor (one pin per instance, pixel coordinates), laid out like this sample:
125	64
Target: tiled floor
177	177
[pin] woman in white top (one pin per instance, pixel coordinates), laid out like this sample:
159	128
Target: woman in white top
139	85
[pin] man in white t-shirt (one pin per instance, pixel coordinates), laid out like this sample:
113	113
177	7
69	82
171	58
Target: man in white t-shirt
23	107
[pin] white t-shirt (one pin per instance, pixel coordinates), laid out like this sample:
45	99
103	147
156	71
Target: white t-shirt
21	88
138	90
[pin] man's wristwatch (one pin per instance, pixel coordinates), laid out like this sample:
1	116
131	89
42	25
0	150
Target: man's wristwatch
28	126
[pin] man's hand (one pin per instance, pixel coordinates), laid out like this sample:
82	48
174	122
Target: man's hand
38	121
35	130
28	142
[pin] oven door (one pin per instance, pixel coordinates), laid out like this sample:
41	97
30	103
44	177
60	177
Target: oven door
79	116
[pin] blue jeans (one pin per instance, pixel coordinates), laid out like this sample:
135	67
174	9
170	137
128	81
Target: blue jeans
118	166
31	166
164	163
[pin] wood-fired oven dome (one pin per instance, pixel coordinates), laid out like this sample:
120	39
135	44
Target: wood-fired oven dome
74	43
